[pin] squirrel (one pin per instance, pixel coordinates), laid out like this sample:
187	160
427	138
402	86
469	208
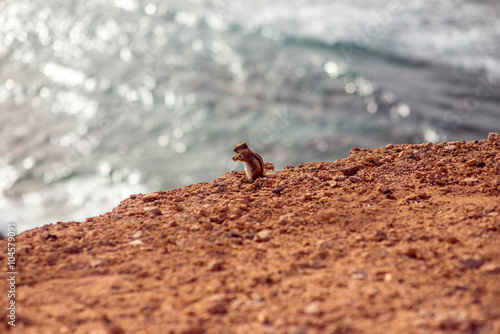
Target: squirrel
254	165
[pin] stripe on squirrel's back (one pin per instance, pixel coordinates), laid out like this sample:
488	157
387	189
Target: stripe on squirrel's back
260	161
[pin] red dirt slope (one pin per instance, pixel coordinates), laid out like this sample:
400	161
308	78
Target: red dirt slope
398	239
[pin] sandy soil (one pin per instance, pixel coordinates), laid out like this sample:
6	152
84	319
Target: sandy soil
398	239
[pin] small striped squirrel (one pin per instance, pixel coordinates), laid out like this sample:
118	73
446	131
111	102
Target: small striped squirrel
254	165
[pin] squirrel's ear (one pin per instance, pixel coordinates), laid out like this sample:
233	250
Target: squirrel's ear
241	146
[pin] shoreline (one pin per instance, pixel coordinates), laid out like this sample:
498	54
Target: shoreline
402	238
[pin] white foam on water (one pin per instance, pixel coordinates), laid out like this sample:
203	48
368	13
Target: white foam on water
456	33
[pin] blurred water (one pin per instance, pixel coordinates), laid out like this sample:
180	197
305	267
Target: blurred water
100	99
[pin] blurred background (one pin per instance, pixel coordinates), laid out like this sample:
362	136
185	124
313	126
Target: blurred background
100	99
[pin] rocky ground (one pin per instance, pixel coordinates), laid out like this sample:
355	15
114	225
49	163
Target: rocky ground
398	239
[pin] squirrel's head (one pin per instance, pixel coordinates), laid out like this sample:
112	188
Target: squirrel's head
241	147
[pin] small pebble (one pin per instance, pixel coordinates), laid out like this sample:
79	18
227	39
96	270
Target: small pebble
215	265
472	162
154	211
263	318
137	242
262	236
379	236
419	175
491	268
359	238
150	197
217	304
423	195
72	249
471	262
412	253
313	308
355	179
470	181
452	240
351	170
308	196
283	220
359	274
277	190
